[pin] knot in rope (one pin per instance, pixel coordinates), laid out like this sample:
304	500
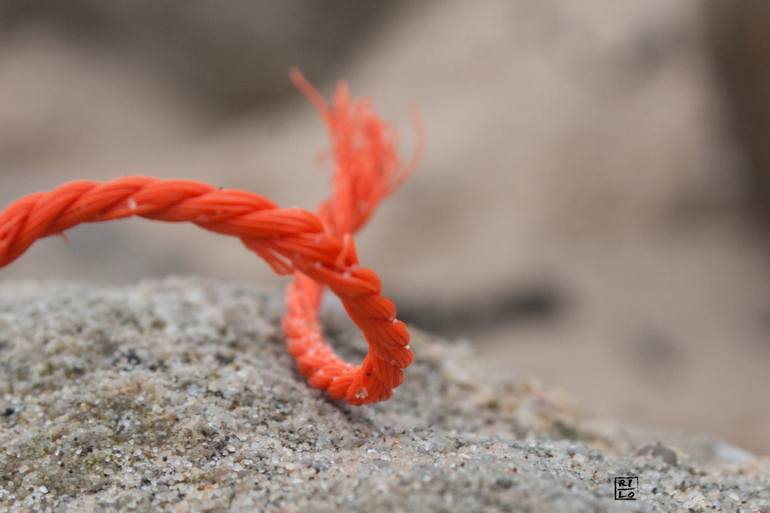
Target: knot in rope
317	249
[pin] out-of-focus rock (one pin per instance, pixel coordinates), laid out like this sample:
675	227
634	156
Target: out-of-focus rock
741	43
231	56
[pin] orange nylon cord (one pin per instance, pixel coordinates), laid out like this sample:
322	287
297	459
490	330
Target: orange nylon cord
318	249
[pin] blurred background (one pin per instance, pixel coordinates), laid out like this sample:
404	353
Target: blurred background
593	206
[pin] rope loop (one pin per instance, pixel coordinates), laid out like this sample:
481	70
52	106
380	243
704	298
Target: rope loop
318	249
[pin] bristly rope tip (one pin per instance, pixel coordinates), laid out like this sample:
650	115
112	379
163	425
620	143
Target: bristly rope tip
367	166
318	250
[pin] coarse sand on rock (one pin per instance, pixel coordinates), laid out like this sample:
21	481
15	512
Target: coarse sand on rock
178	395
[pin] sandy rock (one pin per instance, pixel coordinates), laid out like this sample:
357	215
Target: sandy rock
179	396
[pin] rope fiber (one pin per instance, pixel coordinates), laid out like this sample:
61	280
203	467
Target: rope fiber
317	249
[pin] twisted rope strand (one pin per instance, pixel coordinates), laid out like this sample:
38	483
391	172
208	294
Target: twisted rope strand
318	249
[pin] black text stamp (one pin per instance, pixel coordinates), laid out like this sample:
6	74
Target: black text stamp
626	488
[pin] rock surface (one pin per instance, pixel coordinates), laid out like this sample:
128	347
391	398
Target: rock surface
178	395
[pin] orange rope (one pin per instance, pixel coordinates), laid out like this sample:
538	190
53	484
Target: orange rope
318	250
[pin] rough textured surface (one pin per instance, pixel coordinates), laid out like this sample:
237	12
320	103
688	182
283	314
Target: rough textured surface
178	395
